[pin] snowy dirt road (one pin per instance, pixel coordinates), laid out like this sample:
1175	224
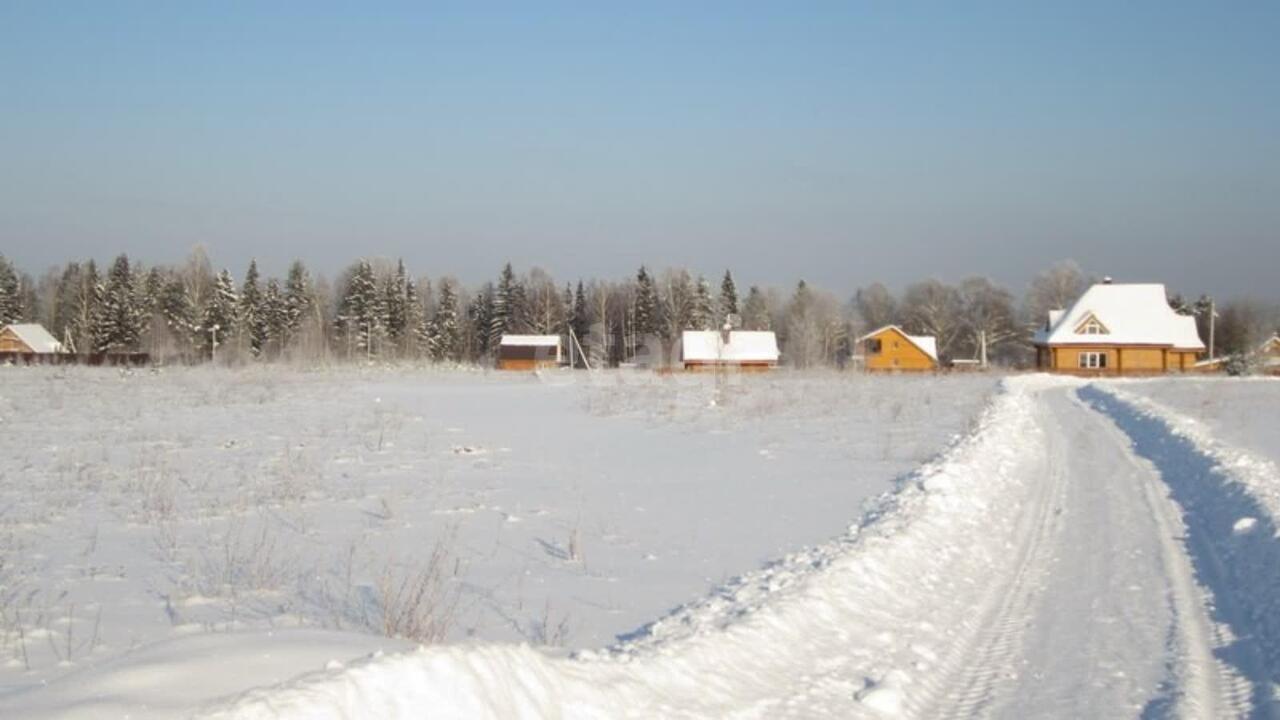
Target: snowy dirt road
1101	615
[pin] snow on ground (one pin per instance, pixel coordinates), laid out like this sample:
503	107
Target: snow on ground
140	511
1065	560
1241	412
1082	551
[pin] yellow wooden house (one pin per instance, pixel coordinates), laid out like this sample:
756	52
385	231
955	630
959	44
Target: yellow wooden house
892	349
1118	329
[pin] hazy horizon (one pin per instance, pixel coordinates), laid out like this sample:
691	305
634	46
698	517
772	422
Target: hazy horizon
837	144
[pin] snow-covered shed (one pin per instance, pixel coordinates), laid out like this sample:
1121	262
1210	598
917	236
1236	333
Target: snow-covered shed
737	349
529	352
891	348
28	338
1117	329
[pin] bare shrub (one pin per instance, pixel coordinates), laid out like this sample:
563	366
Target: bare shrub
546	631
242	558
418	602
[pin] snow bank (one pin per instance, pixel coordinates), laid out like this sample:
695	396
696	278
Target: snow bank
1231	500
863	625
169	679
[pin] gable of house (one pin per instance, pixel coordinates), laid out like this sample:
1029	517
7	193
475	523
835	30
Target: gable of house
892	348
28	338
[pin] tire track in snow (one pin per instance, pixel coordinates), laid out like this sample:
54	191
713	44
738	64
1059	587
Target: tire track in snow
988	662
995	662
1207	685
1198	684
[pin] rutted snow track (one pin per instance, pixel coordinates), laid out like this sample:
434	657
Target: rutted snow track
1037	570
992	662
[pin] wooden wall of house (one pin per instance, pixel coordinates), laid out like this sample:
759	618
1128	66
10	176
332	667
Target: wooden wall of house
1142	360
1133	360
526	364
9	342
737	367
897	353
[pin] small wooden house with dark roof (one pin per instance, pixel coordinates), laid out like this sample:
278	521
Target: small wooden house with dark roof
1118	329
529	352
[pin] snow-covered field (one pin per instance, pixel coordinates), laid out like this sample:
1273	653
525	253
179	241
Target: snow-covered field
239	545
267	521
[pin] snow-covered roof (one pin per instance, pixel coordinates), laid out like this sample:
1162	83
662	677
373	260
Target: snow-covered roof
1129	313
928	344
743	346
530	340
34	336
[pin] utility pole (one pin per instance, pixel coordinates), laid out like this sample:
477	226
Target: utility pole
1212	314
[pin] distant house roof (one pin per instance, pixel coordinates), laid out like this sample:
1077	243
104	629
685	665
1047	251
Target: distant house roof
743	346
530	340
1129	314
35	337
928	344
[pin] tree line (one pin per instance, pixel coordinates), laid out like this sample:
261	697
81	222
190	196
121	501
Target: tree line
377	309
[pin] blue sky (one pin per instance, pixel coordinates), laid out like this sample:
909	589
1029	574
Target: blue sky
842	142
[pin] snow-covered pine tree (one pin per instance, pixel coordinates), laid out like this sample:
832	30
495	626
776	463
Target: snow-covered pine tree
647	312
702	312
297	299
151	290
446	332
413	319
119	320
479	319
728	297
566	310
394	309
10	303
251	319
755	311
360	314
580	318
179	312
505	309
274	317
218	321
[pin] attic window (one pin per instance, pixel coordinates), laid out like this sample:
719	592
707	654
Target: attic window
1091	326
873	346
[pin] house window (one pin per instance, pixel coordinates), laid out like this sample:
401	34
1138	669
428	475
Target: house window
1093	360
873	346
1091	326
